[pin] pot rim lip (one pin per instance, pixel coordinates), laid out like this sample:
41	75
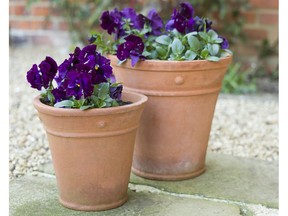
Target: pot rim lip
178	62
43	108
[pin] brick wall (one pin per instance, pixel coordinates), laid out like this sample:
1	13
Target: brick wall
261	20
261	23
31	24
37	23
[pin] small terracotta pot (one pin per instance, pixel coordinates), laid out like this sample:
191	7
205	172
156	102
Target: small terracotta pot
92	151
174	130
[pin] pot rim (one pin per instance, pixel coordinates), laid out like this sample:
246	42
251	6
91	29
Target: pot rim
175	61
138	101
152	65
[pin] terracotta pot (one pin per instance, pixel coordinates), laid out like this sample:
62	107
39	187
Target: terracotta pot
174	130
92	151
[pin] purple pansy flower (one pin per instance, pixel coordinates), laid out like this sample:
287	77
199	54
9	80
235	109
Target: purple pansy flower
133	48
183	20
79	84
199	24
155	21
186	10
113	21
129	13
116	92
225	43
42	75
59	94
140	21
34	77
48	69
110	21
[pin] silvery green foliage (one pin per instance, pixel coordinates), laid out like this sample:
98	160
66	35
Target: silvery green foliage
192	46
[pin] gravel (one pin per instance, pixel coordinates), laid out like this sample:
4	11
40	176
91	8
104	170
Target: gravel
243	125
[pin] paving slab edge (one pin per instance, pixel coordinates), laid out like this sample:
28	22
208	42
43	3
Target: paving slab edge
246	209
266	205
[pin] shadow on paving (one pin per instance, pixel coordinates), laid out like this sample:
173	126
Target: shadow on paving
227	177
230	178
35	196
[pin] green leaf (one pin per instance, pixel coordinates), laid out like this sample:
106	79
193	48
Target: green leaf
204	53
102	104
218	40
176	33
213	58
114	103
190	55
146	53
115	84
228	51
212	35
204	35
103	90
121	62
161	51
164	39
213	49
191	33
64	103
145	30
79	103
177	47
85	107
194	43
50	97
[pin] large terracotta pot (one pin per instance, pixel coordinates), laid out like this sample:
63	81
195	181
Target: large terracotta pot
174	130
92	151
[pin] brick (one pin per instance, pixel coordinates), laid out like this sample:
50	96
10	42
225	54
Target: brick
40	10
268	18
29	24
16	10
265	3
63	25
256	34
250	17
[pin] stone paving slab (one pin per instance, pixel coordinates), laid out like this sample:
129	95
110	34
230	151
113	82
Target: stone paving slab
38	196
230	178
227	177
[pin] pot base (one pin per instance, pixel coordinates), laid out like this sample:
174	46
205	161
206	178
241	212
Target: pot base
164	177
101	207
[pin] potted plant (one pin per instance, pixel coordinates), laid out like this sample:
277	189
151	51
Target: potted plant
180	67
91	128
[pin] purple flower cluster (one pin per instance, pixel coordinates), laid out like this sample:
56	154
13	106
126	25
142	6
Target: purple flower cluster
137	29
114	21
76	76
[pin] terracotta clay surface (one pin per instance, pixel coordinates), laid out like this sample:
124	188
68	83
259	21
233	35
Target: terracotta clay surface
174	131
92	151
